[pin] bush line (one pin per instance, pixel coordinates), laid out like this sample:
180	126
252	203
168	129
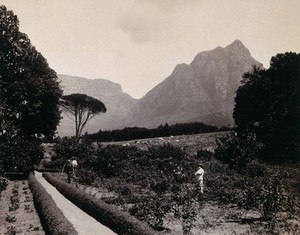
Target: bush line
45	169
52	218
119	221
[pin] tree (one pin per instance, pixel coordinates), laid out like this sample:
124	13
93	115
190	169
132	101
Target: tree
19	154
268	107
82	108
29	90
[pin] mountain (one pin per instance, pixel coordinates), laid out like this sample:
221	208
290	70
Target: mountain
201	91
117	102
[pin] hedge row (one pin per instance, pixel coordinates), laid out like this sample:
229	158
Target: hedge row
46	169
52	218
119	221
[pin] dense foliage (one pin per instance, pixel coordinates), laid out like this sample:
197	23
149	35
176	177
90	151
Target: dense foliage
17	154
237	151
268	108
29	91
82	108
159	170
29	97
159	182
131	133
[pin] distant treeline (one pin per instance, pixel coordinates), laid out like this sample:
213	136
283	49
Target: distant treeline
131	133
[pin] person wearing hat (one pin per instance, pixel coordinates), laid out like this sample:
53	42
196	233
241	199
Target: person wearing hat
74	163
71	166
199	174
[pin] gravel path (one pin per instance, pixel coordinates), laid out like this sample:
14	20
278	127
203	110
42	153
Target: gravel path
82	222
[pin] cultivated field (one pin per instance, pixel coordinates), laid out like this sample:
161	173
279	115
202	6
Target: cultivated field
190	143
17	211
153	180
256	200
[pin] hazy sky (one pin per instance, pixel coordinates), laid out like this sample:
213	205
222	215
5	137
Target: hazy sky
137	43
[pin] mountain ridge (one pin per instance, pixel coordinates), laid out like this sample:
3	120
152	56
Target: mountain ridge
117	102
202	91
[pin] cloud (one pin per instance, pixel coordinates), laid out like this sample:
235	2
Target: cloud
155	22
139	30
137	43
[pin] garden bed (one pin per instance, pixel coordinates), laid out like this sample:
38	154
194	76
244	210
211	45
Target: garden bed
17	211
153	180
212	219
120	222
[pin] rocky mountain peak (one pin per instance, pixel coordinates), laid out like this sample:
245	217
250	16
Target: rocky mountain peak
236	44
201	91
179	70
238	48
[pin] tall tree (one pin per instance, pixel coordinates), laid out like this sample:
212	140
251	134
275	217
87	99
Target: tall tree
81	108
268	107
29	90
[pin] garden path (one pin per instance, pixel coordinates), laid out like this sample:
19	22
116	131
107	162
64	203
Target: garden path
82	222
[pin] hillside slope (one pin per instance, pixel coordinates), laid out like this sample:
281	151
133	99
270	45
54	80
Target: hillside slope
117	102
201	91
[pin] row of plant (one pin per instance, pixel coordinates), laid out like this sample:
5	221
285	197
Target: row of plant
119	221
52	218
163	175
159	182
13	206
20	215
3	183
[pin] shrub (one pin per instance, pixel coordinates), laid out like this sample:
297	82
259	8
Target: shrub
17	154
155	170
204	155
152	210
171	162
255	168
3	183
68	147
237	151
113	160
120	222
126	191
52	218
269	195
86	176
160	186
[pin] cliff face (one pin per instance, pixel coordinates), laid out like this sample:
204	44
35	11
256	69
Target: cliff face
201	91
117	102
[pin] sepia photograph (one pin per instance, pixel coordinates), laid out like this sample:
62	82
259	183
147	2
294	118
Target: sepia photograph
149	117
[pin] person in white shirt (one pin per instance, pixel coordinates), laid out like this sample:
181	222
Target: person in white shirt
199	174
74	163
71	166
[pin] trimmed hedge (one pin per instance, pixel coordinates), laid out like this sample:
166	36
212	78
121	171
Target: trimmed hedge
45	169
52	218
110	216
